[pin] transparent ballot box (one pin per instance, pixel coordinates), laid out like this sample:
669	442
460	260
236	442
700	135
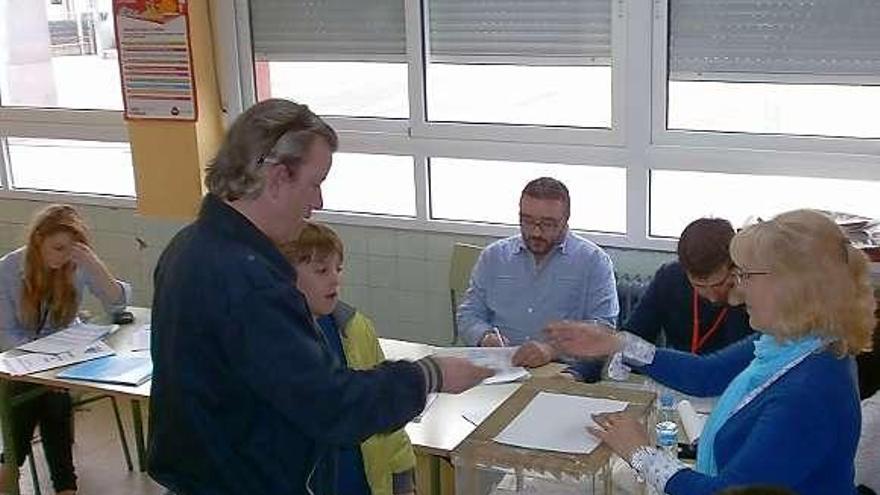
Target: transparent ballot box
484	466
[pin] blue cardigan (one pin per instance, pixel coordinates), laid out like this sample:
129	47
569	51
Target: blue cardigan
801	432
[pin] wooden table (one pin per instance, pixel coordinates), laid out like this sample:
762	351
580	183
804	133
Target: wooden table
439	431
443	427
479	451
121	342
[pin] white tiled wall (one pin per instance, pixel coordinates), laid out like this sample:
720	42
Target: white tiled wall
399	278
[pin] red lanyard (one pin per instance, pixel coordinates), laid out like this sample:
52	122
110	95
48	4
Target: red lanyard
697	341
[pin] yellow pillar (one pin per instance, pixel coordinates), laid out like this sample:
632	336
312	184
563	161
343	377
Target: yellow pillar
170	157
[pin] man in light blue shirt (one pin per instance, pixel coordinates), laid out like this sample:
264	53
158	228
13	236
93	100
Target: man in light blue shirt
545	274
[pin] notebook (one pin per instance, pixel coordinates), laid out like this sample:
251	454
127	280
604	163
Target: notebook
121	370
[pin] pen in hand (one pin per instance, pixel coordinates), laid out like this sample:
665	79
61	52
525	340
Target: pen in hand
498	336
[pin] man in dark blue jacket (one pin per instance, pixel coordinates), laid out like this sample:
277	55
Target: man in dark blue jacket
690	301
247	397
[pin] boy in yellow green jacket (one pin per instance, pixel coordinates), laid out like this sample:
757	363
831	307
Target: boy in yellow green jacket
383	464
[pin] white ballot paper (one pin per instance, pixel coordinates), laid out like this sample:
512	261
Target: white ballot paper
558	422
495	358
140	338
72	337
25	364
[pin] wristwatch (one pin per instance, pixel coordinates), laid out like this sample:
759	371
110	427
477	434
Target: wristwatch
637	460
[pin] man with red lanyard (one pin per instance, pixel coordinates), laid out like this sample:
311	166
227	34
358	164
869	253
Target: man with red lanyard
688	301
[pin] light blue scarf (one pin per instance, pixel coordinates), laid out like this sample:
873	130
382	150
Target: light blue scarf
771	357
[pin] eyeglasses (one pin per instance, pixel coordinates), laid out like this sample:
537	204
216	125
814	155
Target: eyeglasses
741	275
714	285
545	224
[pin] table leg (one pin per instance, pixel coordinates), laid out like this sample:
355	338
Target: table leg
608	473
137	418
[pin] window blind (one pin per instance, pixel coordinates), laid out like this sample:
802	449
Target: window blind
713	39
460	31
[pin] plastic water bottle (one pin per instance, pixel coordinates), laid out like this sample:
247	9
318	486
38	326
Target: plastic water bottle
667	427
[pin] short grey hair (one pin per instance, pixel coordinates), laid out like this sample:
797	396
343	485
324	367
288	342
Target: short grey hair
272	131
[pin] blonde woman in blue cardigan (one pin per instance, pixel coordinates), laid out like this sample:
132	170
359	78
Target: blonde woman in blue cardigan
788	413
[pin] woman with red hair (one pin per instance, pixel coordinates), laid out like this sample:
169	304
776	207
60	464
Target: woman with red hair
41	289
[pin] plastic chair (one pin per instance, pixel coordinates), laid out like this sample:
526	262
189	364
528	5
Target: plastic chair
464	257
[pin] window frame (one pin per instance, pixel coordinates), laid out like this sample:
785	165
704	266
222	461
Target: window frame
637	141
36	122
59	123
718	139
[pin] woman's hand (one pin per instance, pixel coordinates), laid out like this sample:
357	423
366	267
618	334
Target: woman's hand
582	339
621	432
83	256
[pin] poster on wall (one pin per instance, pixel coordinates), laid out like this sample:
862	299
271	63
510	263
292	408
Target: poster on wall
155	59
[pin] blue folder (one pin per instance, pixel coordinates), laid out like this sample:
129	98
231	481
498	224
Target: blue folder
121	370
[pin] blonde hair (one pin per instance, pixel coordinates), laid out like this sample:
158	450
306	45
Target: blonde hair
824	281
53	287
315	242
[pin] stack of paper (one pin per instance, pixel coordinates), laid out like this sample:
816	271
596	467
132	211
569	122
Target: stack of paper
71	338
24	364
557	422
140	338
495	358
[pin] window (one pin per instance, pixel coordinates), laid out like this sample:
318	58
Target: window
60	56
339	57
492	190
652	113
361	183
782	67
741	197
520	62
61	100
66	165
362	89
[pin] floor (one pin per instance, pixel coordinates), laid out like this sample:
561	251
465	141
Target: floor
101	465
97	454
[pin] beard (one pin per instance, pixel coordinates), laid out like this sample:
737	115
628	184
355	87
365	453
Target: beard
540	245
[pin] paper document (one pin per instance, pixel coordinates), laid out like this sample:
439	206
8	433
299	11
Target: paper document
496	358
428	401
702	405
73	337
476	414
691	420
557	422
140	338
25	364
123	370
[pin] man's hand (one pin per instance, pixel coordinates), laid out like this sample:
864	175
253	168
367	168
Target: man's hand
493	339
533	354
460	374
582	339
